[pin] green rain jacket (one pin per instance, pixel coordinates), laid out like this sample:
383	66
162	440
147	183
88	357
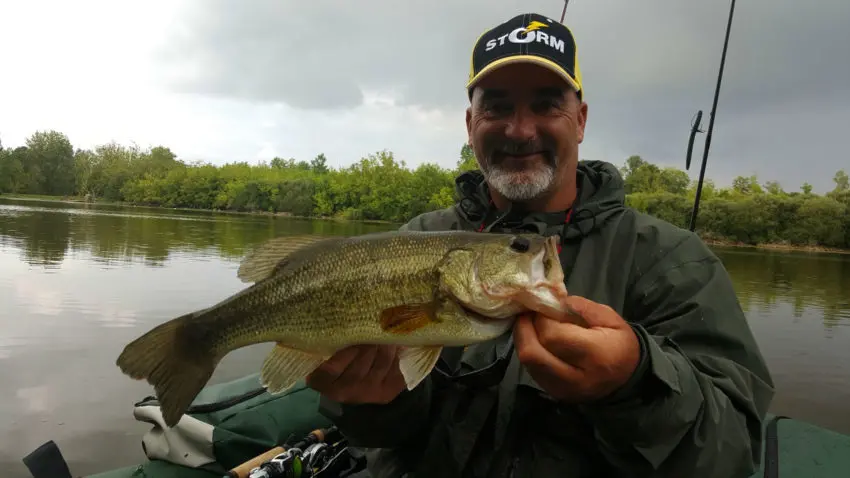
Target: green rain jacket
693	408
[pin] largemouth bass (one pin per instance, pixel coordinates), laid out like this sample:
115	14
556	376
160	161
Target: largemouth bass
315	295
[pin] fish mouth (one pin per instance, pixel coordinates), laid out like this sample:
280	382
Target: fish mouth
546	290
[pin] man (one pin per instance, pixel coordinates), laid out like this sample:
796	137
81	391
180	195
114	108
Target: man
655	374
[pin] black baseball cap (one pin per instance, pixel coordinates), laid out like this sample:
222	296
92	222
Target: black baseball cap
529	38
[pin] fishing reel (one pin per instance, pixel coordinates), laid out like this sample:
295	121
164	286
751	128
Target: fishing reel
288	464
322	454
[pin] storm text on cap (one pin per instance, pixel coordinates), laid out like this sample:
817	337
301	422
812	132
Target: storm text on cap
532	34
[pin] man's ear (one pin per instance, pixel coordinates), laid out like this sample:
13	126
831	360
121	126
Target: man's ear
469	122
581	120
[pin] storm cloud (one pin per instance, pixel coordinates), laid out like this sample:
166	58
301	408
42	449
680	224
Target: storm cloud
648	67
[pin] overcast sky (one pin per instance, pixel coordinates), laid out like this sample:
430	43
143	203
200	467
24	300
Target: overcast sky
249	80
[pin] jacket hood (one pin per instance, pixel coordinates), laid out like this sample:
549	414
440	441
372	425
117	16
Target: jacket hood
601	194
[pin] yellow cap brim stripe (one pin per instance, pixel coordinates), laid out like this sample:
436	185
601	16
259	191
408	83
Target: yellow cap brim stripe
472	55
525	59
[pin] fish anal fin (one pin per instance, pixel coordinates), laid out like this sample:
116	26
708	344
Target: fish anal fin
404	319
285	366
416	363
263	261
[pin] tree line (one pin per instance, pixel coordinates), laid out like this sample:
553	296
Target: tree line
382	187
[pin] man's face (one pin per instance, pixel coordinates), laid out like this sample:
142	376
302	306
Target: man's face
525	125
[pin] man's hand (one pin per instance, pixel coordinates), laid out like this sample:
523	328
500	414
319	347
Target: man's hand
360	374
578	363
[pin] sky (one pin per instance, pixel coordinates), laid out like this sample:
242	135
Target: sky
224	81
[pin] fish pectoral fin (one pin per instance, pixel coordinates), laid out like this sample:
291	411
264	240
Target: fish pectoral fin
263	261
285	366
404	319
415	363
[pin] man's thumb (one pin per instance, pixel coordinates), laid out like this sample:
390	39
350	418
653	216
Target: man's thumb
593	313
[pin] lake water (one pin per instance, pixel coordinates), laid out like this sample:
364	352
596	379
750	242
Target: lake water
78	282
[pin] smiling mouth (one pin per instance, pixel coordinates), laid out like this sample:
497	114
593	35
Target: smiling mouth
522	156
521	162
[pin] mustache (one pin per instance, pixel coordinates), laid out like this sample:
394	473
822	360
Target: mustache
501	146
518	147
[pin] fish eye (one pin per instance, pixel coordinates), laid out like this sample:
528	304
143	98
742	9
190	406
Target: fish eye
520	244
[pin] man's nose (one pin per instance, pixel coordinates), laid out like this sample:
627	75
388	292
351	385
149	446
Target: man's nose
521	125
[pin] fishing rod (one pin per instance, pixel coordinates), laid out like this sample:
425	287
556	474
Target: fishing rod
564	11
695	126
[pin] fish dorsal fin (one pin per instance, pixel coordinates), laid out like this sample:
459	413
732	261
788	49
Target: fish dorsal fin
263	261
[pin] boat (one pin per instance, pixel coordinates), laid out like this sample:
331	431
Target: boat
226	425
233	422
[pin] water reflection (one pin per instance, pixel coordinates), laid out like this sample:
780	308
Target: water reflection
765	280
43	238
45	232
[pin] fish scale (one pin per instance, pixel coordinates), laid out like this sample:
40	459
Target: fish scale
313	296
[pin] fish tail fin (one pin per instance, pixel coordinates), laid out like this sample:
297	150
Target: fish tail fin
174	358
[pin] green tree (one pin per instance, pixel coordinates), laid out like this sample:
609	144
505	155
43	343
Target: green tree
642	179
467	161
319	164
12	174
842	182
50	162
747	185
633	163
773	187
673	180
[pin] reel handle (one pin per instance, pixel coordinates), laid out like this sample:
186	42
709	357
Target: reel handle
244	469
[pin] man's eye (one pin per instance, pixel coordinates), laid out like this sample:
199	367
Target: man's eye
544	106
498	108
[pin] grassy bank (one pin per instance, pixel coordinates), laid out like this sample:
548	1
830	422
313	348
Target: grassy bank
104	202
778	247
44	197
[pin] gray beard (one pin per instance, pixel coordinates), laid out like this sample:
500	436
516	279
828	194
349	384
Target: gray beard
520	185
